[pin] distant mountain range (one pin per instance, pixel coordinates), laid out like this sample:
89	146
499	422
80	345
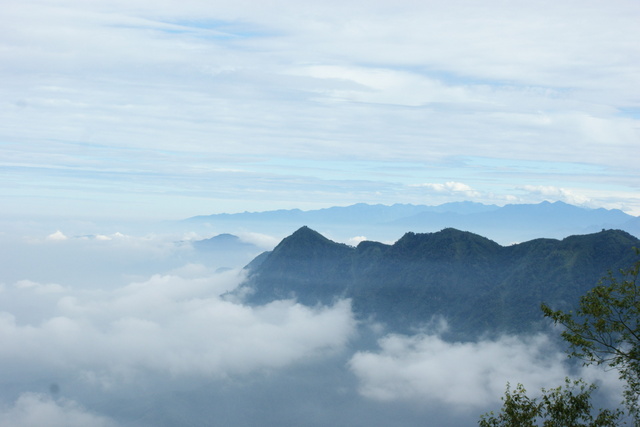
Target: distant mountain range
507	224
476	284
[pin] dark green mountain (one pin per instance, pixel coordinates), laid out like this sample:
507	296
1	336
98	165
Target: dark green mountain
305	265
474	283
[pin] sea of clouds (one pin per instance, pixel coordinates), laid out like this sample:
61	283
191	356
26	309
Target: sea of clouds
135	331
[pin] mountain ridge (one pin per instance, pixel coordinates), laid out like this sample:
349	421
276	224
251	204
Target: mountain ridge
475	283
505	224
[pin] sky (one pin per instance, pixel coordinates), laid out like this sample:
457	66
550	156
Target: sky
169	109
160	110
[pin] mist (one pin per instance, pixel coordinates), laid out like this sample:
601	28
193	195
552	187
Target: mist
122	330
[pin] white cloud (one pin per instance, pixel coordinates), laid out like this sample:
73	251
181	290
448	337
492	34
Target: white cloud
33	409
553	193
113	262
259	239
385	86
354	241
450	187
168	325
40	288
426	368
57	236
552	82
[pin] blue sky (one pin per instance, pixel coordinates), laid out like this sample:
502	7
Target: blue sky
166	109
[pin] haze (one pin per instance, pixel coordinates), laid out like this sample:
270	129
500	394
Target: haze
118	115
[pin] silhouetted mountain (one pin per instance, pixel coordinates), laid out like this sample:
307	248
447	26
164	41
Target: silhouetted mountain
358	213
224	251
544	219
473	282
303	265
223	242
507	224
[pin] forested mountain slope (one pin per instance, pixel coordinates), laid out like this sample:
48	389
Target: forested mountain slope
474	283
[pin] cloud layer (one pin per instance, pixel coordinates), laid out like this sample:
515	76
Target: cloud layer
425	368
167	325
33	409
169	349
139	108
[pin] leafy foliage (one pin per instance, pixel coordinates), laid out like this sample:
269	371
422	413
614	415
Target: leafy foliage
605	330
564	406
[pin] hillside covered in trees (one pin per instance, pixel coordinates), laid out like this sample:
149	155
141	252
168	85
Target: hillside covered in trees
474	283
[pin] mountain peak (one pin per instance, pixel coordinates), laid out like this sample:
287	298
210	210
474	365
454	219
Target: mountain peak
447	244
306	231
304	235
448	233
300	266
306	242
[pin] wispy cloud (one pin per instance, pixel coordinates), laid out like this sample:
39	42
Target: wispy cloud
83	345
141	103
556	193
58	235
32	409
168	325
472	374
450	187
